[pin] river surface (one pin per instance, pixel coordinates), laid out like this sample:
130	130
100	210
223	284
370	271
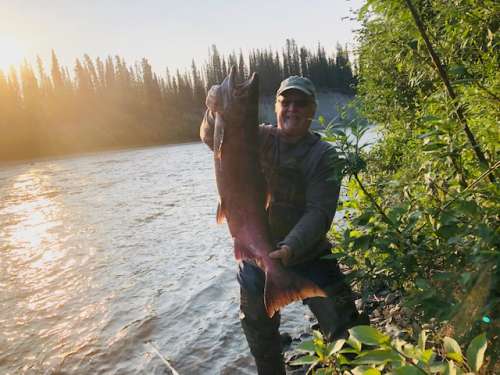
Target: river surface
101	254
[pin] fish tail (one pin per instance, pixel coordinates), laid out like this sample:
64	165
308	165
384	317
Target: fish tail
283	287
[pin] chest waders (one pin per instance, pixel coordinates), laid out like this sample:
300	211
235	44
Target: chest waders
287	180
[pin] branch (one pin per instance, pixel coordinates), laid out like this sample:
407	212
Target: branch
164	360
493	96
444	77
473	184
380	210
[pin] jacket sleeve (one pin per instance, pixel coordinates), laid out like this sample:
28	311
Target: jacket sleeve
307	239
207	129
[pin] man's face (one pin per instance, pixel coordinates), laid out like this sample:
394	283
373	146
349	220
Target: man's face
294	112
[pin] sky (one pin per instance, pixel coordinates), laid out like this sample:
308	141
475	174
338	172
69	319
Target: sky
168	33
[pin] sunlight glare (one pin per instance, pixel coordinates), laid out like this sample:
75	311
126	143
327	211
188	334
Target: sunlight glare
33	233
13	52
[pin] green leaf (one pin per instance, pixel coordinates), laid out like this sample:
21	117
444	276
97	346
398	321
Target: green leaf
305	360
448	218
395	213
355	234
369	335
448	231
430	118
363	242
422	284
433	146
354	343
342	360
321	120
439	367
323	371
360	370
465	278
452	349
467	207
457	70
486	233
426	356
338	132
334	347
407	370
413	44
363	218
376	357
306	346
318	335
475	352
372	371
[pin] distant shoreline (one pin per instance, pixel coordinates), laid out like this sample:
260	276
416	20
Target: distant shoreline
328	103
68	155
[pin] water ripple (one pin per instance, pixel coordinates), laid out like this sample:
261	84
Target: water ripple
102	253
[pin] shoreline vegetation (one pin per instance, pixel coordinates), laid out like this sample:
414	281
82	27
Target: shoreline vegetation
107	104
420	221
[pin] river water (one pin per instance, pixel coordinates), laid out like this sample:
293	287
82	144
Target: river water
101	254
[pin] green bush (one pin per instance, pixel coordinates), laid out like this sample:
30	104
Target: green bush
421	213
367	351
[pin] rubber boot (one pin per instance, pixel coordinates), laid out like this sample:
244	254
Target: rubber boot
262	334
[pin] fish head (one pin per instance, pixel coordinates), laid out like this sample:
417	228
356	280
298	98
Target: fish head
237	101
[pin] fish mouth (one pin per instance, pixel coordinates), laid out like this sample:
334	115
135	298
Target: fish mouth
244	88
231	93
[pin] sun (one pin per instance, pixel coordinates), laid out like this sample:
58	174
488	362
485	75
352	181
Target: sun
12	52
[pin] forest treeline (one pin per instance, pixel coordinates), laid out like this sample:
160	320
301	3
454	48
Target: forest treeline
107	103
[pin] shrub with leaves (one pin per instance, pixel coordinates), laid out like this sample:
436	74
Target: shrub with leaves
421	213
368	351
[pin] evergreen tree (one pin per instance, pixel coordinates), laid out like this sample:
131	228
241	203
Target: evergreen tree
304	62
198	86
84	84
101	76
109	73
45	84
57	78
242	70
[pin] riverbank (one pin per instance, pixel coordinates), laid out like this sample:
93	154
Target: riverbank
66	141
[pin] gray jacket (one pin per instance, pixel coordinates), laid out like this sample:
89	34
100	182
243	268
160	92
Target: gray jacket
303	187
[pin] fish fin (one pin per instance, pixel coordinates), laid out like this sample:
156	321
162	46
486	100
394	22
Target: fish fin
218	136
241	252
268	200
221	215
283	287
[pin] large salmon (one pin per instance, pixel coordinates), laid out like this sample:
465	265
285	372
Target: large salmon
242	189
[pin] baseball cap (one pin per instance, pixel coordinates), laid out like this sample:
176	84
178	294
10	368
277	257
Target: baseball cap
298	83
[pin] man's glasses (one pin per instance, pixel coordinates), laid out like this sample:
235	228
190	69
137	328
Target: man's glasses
300	103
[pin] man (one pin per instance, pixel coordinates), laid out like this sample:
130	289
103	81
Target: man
304	193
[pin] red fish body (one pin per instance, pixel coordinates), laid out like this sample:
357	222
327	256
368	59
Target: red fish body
242	189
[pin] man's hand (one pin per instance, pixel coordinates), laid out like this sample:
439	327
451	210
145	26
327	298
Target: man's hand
284	253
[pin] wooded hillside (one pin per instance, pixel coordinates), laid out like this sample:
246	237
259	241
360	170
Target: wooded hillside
107	103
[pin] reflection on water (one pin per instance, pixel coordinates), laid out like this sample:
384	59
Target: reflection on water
33	217
103	253
41	277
